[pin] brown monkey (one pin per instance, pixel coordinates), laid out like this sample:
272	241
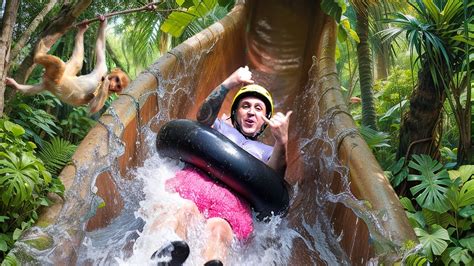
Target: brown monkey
61	80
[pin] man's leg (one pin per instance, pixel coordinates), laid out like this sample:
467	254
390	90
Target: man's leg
177	250
179	222
218	241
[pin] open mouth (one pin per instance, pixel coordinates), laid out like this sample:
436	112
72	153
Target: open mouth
249	122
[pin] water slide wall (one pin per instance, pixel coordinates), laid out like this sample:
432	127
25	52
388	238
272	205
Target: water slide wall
290	47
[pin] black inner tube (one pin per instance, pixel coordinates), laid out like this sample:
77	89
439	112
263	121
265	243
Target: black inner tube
216	155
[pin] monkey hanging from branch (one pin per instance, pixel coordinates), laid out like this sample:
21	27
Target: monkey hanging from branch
61	80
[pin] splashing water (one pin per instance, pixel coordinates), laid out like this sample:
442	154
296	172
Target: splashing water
270	244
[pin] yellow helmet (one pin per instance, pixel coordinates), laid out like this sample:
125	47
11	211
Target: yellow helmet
256	91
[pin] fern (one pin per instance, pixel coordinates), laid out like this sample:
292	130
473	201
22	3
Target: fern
416	260
56	154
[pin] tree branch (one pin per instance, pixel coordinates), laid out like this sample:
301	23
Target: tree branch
147	7
33	25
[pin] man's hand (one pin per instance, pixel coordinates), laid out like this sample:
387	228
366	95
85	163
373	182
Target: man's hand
241	75
279	126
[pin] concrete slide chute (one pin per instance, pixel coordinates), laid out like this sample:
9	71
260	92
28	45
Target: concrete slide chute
290	47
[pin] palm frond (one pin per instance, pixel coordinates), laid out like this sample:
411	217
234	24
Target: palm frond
56	154
374	138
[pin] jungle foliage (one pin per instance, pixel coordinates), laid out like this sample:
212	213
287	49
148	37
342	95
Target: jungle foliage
438	187
24	183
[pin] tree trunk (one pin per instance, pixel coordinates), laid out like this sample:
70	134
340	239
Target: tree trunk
31	28
9	18
465	124
465	140
58	26
382	61
364	57
382	50
420	131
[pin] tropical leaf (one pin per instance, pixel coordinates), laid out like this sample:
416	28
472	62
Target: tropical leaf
450	156
435	241
77	124
462	197
467	212
334	8
394	110
436	37
416	219
406	203
374	138
435	183
35	121
468	243
178	21
466	194
399	172
459	255
19	177
443	219
56	154
344	30
185	3
17	130
465	172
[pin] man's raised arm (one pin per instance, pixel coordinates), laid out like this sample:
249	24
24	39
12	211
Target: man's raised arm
209	109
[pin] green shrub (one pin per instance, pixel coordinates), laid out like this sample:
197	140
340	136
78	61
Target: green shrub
24	184
442	212
77	124
36	122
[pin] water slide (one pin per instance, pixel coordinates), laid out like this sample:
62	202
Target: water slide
343	209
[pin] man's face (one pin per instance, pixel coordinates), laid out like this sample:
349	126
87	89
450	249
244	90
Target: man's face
249	115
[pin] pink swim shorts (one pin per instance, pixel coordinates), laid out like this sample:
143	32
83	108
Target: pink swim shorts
213	200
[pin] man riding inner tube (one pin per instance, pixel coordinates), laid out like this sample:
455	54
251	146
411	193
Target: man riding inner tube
210	151
226	212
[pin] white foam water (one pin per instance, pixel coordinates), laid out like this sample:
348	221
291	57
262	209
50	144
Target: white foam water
270	243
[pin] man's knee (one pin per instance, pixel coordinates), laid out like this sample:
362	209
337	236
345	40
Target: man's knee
220	228
188	207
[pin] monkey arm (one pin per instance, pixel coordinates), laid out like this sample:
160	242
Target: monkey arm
99	100
26	89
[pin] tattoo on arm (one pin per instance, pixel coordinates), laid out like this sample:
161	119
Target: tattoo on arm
209	110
